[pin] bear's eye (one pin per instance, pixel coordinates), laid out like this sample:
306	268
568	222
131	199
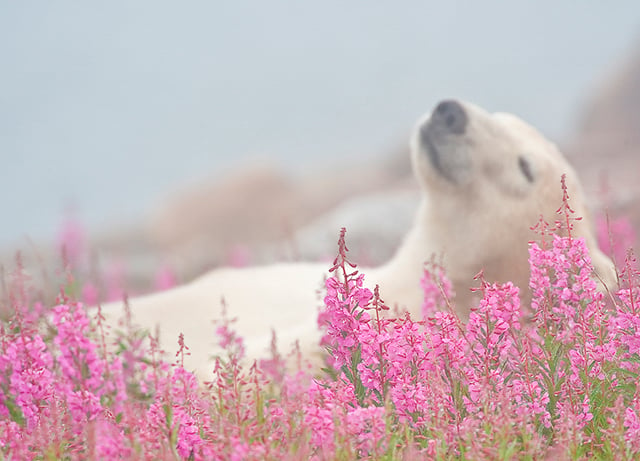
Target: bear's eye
525	167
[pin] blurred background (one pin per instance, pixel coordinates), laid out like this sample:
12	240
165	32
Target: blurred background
198	133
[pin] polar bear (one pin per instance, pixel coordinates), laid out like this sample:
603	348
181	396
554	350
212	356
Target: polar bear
486	179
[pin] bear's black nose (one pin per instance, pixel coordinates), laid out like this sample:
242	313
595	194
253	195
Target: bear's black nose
451	115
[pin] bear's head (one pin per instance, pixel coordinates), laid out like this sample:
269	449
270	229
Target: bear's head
488	178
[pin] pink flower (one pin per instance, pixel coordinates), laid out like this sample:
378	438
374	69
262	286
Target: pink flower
165	278
84	406
111	442
115	281
228	339
90	294
239	256
78	354
437	289
71	241
25	373
615	236
189	440
320	422
632	425
12	440
368	427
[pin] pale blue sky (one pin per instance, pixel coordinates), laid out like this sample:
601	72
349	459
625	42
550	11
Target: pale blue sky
110	106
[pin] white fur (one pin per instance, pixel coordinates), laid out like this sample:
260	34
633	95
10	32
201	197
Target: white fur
480	221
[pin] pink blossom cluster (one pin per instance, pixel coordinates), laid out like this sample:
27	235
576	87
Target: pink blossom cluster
615	236
556	378
86	280
549	377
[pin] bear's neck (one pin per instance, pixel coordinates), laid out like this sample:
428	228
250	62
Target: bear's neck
399	278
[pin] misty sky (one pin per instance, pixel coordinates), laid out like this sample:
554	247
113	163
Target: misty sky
110	106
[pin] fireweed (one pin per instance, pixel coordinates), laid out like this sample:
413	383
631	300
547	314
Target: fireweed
556	379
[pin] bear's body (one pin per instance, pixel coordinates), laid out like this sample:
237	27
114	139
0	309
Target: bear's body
487	179
249	295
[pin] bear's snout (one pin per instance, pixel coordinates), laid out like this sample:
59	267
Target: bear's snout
450	114
439	137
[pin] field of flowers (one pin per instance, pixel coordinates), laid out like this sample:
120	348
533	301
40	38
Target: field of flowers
556	379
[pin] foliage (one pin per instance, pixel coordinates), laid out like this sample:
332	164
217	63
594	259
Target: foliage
556	379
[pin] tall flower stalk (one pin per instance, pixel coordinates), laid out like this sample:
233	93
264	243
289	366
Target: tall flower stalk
556	379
